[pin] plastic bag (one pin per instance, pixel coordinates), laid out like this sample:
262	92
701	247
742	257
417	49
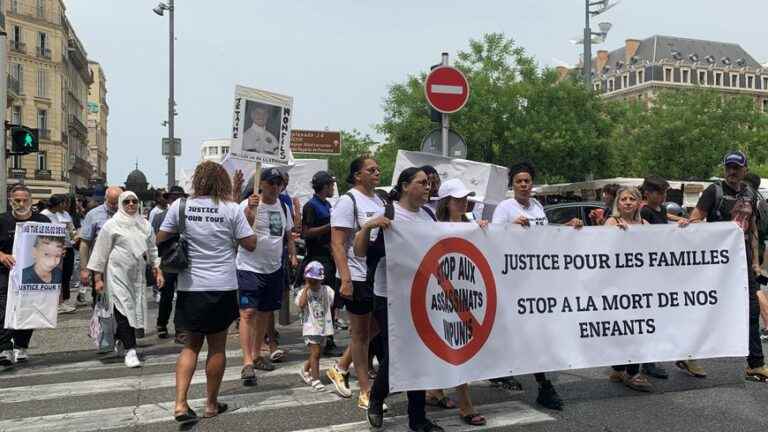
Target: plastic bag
103	326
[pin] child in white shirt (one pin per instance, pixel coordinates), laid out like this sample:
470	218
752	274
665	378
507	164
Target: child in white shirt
315	301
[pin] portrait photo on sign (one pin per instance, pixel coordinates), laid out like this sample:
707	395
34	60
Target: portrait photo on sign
261	127
43	265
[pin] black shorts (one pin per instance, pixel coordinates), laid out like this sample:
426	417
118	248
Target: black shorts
205	312
361	302
263	292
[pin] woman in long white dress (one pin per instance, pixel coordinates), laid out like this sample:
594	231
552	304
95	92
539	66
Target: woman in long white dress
118	262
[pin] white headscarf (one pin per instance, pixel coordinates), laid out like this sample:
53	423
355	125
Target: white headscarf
134	228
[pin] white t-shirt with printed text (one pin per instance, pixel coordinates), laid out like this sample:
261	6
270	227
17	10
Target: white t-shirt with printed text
316	316
401	216
342	216
212	230
270	226
510	209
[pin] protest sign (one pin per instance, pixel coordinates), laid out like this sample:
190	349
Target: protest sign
261	128
468	304
35	281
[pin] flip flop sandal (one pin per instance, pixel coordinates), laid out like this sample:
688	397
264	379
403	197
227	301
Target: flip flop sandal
187	417
277	356
317	385
474	419
444	402
220	409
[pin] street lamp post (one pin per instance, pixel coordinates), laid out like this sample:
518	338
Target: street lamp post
161	7
592	9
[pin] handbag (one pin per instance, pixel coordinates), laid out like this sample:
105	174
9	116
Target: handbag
173	251
103	326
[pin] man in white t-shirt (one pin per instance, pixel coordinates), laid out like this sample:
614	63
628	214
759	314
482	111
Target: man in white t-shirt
260	272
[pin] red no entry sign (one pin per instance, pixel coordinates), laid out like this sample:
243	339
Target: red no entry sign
447	89
431	267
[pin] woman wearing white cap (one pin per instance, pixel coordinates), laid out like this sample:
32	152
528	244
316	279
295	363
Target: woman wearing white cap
452	206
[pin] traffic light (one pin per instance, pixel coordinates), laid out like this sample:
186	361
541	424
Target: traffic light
24	140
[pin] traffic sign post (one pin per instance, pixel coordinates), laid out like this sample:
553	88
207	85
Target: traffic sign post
447	91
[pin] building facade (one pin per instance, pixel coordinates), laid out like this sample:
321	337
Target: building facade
641	68
214	150
48	78
98	113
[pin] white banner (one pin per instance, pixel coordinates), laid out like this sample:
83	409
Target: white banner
35	281
467	304
261	128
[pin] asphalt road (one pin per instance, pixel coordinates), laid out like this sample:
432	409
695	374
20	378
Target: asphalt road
66	386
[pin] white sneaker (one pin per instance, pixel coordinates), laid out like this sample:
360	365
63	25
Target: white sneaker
132	359
65	308
6	358
21	355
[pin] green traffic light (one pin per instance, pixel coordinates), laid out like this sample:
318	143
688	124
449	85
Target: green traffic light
28	140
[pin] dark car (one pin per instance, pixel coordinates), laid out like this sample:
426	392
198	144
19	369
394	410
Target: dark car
561	213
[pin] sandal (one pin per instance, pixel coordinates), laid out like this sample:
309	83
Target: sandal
638	382
187	417
220	408
444	402
474	419
317	385
277	356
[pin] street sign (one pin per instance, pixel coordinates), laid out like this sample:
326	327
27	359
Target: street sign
432	143
447	89
316	142
177	147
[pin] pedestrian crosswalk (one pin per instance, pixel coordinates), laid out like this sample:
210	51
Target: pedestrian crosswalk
101	394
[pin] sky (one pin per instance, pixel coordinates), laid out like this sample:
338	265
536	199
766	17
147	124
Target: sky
337	58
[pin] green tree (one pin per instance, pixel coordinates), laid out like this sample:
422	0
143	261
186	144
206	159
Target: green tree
515	111
685	133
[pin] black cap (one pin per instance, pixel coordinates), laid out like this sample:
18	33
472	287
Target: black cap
735	158
322	178
175	190
272	175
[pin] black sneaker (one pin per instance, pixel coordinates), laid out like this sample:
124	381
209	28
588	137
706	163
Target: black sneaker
262	363
764	334
652	369
427	426
81	299
507	383
548	397
375	413
162	332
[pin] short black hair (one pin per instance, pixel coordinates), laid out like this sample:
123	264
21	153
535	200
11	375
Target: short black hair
429	170
356	166
753	180
611	189
654	183
521	167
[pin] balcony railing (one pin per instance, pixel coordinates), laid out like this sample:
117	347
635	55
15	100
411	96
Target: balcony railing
43	174
18	46
18	173
14	86
78	126
44	53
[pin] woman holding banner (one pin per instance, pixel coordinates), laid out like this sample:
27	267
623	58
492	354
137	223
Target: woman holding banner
408	198
119	268
626	212
353	210
452	206
526	211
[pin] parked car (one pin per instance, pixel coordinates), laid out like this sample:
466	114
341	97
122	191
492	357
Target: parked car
559	214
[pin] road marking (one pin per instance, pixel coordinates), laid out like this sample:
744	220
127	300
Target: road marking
131	383
133	416
503	414
447	89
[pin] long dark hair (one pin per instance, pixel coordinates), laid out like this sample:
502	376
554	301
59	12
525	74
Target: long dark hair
443	214
406	176
356	166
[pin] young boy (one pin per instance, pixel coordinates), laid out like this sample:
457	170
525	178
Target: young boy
47	253
315	301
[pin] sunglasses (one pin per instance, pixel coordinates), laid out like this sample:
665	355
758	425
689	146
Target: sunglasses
130	201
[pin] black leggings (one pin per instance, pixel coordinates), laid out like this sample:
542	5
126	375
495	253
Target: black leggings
380	389
124	333
66	272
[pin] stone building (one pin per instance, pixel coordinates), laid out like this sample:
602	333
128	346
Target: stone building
641	68
48	78
98	112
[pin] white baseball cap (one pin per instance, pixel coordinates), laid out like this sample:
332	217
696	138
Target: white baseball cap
453	188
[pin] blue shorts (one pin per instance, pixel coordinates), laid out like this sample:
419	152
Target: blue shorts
263	292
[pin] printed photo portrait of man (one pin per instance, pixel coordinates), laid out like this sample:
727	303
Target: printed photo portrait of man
262	127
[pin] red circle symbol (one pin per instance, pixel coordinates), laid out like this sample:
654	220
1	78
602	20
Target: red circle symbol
430	267
447	89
